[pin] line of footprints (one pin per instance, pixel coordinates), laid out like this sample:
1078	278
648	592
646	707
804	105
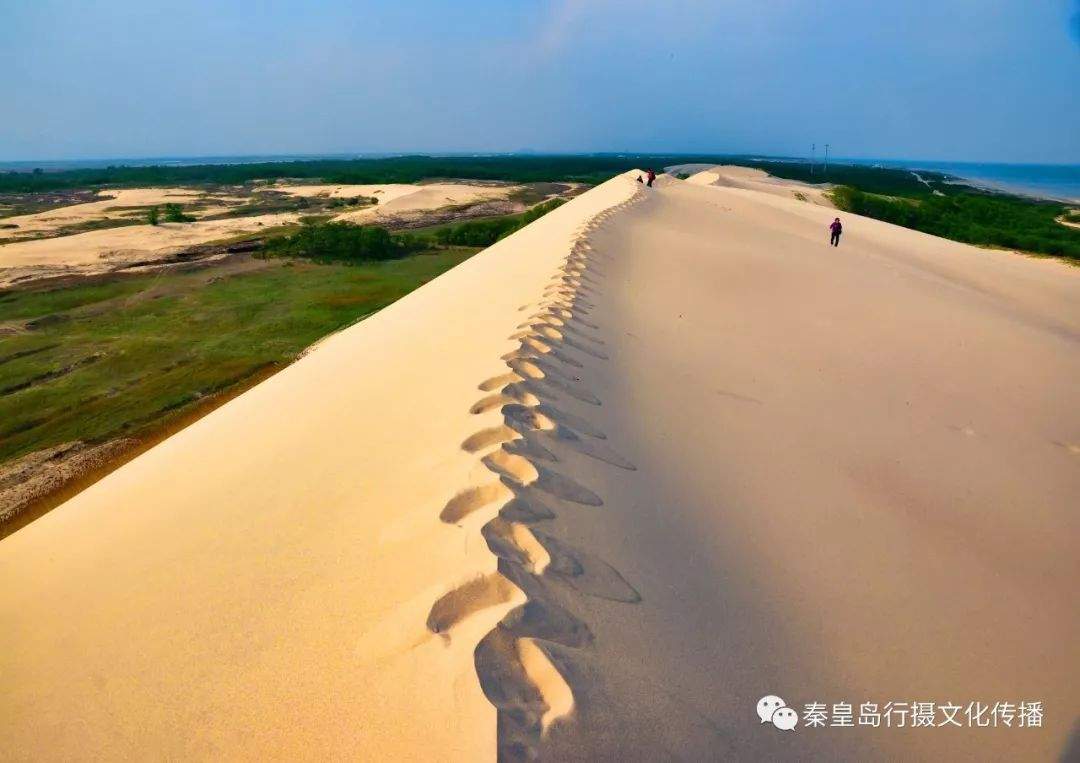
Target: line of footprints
527	663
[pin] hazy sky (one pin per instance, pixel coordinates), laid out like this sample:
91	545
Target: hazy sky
979	80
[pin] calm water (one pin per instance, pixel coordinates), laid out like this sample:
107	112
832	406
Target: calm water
1054	181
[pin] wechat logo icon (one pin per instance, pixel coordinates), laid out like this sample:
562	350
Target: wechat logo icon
773	709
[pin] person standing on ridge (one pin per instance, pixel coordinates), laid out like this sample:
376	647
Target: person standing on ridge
651	177
836	229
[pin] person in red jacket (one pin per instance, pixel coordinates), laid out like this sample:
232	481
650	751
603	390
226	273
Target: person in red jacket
836	229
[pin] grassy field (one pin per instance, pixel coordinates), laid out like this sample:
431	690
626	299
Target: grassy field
96	361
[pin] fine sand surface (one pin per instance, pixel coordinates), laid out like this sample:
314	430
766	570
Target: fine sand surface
751	179
51	221
396	199
101	251
589	496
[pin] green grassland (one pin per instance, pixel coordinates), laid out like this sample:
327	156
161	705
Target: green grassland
119	357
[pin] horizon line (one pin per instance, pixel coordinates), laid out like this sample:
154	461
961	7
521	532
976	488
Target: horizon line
282	157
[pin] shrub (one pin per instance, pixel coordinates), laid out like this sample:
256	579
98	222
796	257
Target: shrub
487	232
153	215
174	213
339	241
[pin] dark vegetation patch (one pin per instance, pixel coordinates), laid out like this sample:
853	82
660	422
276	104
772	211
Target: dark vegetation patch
487	232
267	202
341	241
346	242
174	213
880	180
14	202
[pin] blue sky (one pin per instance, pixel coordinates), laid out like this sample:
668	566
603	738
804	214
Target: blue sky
979	80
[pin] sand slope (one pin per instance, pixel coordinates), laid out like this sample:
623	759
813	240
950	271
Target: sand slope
589	496
276	580
748	178
857	478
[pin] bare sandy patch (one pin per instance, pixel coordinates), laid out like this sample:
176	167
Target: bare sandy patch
383	193
109	206
409	205
423	200
105	250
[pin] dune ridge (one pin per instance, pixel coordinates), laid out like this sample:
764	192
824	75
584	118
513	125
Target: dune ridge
518	661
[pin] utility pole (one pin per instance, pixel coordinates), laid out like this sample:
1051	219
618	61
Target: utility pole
826	160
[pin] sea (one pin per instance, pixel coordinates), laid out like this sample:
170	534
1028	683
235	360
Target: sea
1060	182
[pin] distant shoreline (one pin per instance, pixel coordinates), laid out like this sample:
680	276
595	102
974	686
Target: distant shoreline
1051	182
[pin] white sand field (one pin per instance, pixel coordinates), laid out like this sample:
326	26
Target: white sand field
589	496
100	251
399	198
402	200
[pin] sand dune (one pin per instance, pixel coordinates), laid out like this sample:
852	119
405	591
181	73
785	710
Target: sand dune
293	592
396	201
748	178
589	496
401	198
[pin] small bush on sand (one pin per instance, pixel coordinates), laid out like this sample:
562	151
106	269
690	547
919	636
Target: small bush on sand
174	213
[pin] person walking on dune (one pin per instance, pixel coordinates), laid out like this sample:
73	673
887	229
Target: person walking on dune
836	229
651	176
